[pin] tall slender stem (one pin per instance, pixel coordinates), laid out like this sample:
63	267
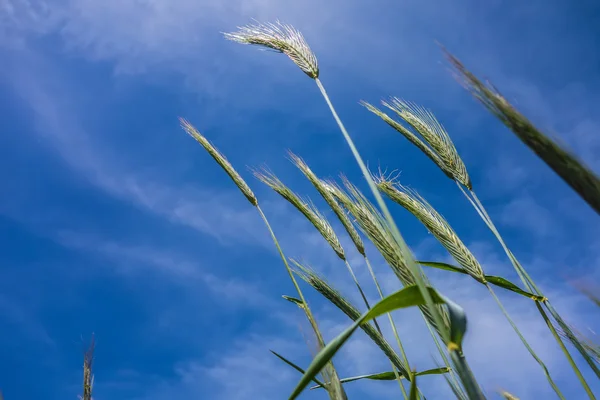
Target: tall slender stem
533	354
339	389
531	286
384	209
404	250
364	297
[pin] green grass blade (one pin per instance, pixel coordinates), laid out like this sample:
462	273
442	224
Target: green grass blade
444	266
294	300
297	368
506	284
408	297
390	375
494	280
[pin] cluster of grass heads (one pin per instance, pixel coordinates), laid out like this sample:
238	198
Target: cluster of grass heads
446	320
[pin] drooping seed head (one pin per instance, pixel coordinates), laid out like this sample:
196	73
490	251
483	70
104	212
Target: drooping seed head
306	208
328	197
433	221
282	38
563	162
426	124
414	139
221	160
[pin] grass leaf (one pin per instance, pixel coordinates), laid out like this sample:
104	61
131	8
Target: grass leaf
297	368
294	300
444	266
390	376
407	297
494	280
506	284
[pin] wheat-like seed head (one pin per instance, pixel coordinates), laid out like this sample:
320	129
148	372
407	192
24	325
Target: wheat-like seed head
282	38
221	160
375	227
427	125
328	197
344	305
414	139
434	222
306	208
563	162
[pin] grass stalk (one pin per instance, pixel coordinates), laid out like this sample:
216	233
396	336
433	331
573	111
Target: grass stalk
525	343
287	40
438	146
320	186
530	284
437	225
404	250
335	388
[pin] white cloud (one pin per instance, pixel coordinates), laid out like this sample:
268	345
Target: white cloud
525	213
173	264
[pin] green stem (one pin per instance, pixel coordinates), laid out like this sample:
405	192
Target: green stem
335	378
531	351
474	392
531	286
413	267
393	325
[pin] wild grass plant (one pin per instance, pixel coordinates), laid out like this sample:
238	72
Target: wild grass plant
445	319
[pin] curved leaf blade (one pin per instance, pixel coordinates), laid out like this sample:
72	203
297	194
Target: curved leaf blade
444	266
297	368
408	297
294	300
390	376
508	285
494	280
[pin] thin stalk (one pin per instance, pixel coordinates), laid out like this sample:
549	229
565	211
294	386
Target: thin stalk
362	293
413	267
564	349
531	286
392	324
395	232
531	351
458	358
457	388
305	306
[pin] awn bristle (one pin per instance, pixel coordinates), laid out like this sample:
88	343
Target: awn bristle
221	160
434	222
427	125
328	197
282	38
337	299
307	209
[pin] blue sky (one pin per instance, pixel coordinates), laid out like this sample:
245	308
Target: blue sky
114	221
